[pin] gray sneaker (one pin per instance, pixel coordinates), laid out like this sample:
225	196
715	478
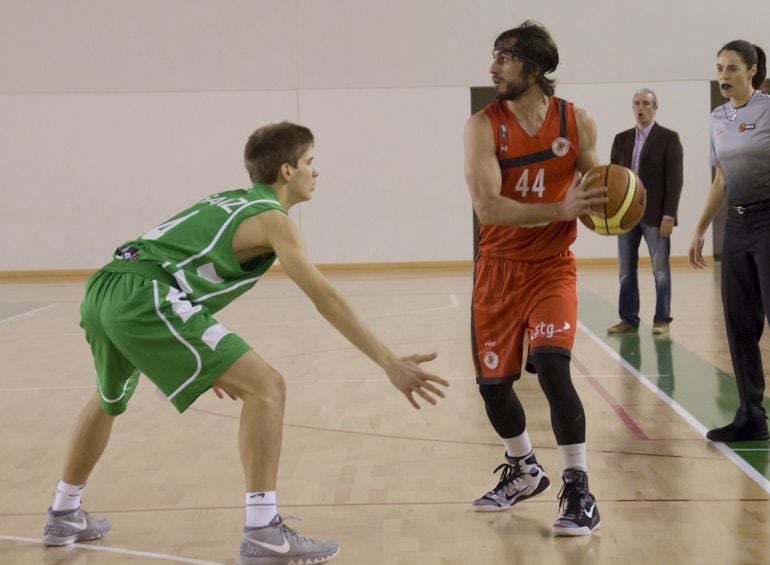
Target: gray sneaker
520	479
278	544
77	525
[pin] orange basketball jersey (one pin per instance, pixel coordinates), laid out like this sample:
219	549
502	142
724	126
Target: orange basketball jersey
535	169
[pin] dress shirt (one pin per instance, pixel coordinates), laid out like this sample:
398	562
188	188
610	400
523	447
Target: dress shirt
639	139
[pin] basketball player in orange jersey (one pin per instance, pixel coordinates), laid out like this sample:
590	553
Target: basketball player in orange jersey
524	155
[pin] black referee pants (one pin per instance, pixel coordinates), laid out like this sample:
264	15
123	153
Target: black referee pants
746	304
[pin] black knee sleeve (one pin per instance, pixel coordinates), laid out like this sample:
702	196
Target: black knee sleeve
504	409
567	415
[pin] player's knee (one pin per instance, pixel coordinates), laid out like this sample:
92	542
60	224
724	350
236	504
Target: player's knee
497	398
554	376
253	381
496	392
267	386
503	409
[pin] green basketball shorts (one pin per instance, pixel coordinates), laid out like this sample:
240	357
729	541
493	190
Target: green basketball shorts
136	324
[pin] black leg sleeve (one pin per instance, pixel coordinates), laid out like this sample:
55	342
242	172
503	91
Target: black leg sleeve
567	416
504	409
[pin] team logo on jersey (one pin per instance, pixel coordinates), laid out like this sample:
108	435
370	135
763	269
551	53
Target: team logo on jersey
744	127
560	146
126	253
503	137
491	360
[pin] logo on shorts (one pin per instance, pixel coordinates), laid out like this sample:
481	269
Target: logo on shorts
548	330
560	146
491	360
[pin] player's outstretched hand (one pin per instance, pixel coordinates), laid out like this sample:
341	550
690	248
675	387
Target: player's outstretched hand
695	253
582	200
408	377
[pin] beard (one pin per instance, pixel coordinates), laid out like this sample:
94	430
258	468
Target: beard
513	91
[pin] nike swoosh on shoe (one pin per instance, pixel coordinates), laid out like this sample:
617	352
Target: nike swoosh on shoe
283	548
82	525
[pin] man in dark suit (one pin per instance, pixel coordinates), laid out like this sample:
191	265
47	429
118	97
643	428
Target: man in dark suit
654	153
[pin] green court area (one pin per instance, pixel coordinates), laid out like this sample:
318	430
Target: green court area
703	391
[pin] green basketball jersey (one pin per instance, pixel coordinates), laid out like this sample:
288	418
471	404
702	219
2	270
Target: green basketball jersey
194	250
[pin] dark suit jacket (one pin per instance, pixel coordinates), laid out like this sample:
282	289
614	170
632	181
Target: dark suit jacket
660	168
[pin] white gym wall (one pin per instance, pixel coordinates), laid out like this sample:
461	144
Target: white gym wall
116	113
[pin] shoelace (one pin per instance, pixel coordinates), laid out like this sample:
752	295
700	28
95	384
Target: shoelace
571	499
291	533
508	474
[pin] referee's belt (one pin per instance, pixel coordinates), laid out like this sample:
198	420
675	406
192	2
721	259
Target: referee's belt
750	207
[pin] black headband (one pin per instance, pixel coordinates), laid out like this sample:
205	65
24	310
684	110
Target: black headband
518	52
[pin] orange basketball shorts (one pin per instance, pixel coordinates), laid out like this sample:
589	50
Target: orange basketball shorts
514	297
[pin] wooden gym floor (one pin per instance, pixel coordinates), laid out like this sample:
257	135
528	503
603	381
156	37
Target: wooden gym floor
392	484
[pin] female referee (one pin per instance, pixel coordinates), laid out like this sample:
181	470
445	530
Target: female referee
740	153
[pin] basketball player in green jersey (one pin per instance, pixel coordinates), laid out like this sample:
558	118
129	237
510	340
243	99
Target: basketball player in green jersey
150	311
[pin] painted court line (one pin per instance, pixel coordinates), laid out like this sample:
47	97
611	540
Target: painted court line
454	302
29	313
160	556
621	413
752	473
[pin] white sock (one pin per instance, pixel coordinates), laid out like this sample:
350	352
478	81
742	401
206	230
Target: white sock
67	497
518	446
574	456
260	508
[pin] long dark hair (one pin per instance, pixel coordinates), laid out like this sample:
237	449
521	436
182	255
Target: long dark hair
751	55
536	49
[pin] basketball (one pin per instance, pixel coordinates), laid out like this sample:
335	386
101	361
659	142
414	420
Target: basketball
628	199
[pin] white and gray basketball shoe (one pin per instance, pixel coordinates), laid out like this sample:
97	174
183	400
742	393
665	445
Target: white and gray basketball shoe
520	478
278	544
76	525
580	515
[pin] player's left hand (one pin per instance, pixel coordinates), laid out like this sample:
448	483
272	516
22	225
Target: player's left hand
408	377
581	200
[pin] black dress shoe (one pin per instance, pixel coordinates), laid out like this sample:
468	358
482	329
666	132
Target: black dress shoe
744	432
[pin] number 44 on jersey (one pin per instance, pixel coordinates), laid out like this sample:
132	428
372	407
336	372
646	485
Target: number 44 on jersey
538	185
